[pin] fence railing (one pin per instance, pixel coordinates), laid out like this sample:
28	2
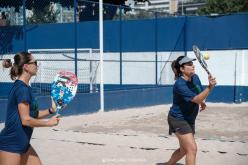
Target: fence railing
43	11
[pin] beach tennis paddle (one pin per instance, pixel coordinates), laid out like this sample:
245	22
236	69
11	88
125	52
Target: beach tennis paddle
64	89
200	58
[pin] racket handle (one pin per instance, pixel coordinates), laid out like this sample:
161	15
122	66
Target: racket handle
207	71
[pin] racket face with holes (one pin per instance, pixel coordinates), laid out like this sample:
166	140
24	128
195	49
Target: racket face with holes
200	58
64	89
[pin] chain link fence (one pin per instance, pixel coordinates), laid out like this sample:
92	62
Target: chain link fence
22	12
126	68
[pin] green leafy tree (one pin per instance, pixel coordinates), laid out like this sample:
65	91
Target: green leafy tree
224	7
47	14
29	4
41	8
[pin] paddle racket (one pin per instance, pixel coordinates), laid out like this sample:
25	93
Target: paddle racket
200	58
64	88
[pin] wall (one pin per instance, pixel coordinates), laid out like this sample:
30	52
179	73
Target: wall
163	34
89	102
139	71
225	38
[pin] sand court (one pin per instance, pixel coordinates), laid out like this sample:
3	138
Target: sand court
140	136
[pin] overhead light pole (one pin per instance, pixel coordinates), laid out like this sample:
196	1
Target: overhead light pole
101	54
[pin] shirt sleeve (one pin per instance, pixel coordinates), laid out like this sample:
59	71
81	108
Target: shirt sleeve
184	91
23	95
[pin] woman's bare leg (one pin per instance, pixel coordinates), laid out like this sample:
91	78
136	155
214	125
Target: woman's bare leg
30	157
177	155
9	158
188	143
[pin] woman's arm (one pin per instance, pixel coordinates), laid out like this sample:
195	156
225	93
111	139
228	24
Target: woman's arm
27	120
46	112
202	96
198	99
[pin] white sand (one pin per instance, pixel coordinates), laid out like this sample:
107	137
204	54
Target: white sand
140	136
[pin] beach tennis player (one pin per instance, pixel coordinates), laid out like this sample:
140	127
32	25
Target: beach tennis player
188	97
22	114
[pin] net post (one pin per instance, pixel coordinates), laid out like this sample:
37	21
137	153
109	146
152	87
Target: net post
91	74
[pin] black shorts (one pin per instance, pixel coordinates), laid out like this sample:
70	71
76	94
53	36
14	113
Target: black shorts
179	125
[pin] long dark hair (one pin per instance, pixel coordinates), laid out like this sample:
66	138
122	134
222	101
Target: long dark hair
17	67
175	66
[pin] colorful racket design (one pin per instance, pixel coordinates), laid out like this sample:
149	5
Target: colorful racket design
64	88
200	58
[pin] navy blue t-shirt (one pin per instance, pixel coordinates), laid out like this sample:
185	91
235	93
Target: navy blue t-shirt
183	92
15	137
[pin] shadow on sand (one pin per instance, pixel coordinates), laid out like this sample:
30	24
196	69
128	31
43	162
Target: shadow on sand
166	162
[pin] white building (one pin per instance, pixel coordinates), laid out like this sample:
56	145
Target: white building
168	6
189	7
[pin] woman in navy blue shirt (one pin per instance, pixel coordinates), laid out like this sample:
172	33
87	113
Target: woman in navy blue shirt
188	95
22	114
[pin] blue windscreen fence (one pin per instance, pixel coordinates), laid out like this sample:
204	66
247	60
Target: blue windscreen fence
150	35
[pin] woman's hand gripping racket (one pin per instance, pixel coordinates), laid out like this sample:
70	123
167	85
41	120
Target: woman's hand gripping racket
64	88
200	58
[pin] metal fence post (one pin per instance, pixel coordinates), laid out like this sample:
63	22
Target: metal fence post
185	36
120	44
75	34
156	47
24	25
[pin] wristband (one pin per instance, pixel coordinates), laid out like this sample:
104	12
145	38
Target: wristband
50	111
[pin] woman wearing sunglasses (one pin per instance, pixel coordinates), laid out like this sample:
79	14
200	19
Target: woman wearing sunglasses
22	114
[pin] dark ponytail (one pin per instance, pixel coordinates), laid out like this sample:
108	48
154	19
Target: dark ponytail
175	66
17	67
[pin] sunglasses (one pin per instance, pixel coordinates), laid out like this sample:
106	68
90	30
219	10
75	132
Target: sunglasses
34	62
